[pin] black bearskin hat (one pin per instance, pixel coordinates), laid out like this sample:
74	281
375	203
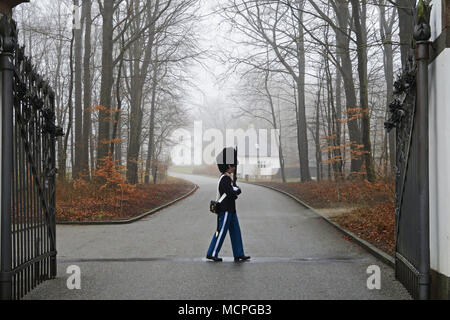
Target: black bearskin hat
227	158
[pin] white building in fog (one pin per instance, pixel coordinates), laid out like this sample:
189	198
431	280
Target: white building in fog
253	166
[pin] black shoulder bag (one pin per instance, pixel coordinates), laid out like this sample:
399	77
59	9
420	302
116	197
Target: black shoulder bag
214	205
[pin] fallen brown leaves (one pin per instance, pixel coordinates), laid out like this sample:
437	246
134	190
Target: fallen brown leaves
108	197
122	206
374	224
324	194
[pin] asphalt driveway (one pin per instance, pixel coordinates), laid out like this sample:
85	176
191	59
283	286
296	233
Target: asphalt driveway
295	255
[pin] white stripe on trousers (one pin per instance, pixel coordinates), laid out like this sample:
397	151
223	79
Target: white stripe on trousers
220	235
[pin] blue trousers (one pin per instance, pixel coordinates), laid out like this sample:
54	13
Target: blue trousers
227	222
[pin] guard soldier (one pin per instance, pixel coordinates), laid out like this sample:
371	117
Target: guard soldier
227	218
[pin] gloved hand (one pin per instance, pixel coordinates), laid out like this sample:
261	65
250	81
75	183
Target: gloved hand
237	190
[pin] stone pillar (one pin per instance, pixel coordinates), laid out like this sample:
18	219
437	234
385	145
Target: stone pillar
439	149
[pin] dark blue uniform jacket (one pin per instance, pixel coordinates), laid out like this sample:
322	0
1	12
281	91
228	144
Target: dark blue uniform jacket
229	203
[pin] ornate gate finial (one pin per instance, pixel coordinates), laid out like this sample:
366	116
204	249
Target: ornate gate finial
422	29
8	34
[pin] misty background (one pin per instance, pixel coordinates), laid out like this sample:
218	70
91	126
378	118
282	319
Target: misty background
138	70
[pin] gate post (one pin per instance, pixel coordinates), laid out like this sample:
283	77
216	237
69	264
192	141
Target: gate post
53	262
7	43
422	34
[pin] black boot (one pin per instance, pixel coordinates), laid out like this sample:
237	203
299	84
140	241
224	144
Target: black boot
241	259
215	259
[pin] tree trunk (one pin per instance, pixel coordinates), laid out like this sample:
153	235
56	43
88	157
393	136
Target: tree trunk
405	10
78	102
317	139
275	126
117	113
87	123
91	151
338	121
342	41
151	138
135	118
148	162
118	148
62	152
302	130
106	82
361	35
386	29
62	148
139	75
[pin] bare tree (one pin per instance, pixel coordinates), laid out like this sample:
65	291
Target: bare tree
359	9
388	18
263	23
87	86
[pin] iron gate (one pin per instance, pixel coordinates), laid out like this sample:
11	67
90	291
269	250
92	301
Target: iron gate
409	115
407	226
28	243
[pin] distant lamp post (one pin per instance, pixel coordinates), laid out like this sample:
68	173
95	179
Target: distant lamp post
6	6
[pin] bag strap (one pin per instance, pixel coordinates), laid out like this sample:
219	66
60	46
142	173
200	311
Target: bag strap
219	201
218	191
